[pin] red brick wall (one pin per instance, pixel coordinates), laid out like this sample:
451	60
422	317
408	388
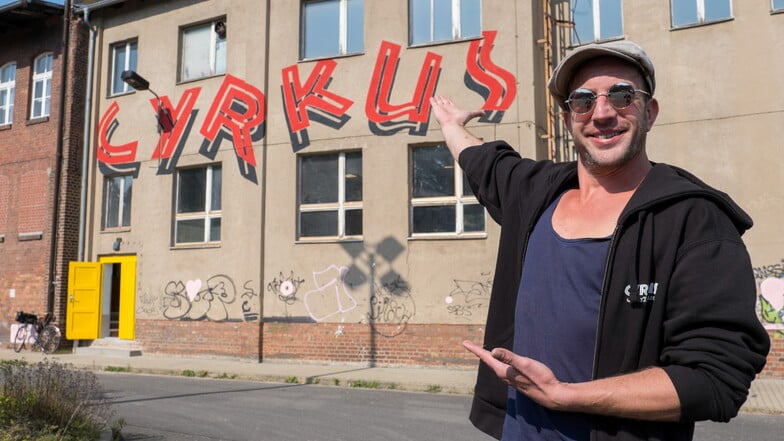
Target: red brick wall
419	345
199	338
775	366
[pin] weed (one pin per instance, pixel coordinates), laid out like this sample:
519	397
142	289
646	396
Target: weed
50	401
336	381
434	388
365	384
292	380
224	375
117	369
188	373
202	374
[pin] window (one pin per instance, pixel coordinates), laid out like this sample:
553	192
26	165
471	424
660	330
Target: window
7	85
691	12
431	21
123	58
777	5
330	196
198	218
332	27
42	86
441	199
117	201
203	51
596	20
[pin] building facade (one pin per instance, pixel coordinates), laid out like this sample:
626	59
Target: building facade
41	124
266	180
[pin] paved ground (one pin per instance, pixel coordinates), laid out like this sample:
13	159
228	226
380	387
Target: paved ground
767	395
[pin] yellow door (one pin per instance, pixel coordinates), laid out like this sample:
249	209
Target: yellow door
83	311
127	326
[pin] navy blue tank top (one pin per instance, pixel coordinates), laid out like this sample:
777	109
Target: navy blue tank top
555	323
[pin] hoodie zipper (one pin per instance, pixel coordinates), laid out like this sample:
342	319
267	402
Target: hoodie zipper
603	298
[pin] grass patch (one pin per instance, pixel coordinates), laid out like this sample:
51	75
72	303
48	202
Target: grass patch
434	388
224	375
117	369
50	401
292	380
365	384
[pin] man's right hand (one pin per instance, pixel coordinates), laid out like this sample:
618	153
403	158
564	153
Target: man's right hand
452	120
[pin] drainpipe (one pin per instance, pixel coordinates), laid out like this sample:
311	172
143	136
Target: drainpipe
53	261
88	100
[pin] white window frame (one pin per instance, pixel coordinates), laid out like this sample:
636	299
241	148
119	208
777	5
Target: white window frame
122	204
45	79
341	205
213	51
8	103
207	215
457	32
700	15
343	29
596	15
125	47
458	200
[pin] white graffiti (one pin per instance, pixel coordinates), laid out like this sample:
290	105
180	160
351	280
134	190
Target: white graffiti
330	296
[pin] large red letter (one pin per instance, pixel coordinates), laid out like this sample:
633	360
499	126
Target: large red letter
377	106
500	84
239	107
298	97
172	134
108	153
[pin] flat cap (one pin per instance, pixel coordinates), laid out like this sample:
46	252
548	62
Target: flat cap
623	49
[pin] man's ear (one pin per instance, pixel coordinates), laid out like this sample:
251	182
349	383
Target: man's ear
651	112
567	118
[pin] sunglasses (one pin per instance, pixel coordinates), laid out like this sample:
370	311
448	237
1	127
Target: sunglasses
620	96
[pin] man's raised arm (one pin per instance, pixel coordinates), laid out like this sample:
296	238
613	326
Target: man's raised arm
452	120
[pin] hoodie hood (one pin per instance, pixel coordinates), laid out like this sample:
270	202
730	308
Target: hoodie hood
667	183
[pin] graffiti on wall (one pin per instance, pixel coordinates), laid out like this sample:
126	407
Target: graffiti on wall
285	287
771	295
469	296
330	297
237	113
212	300
391	303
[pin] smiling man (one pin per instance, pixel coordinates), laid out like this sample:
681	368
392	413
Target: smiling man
623	306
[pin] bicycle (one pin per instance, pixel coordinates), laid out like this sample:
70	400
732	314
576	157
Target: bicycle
44	334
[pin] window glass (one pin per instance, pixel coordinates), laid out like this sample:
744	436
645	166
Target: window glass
596	20
443	20
203	51
42	86
330	195
7	86
124	55
332	27
198	216
777	5
433	172
117	201
689	12
441	199
319	179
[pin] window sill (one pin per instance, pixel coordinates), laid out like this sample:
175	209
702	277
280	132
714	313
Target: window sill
5	127
306	240
39	120
119	94
330	57
599	41
206	77
36	235
195	246
2	238
443	42
447	236
777	11
705	23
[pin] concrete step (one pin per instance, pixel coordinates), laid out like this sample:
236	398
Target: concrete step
109	347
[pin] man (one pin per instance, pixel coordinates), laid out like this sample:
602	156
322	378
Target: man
623	305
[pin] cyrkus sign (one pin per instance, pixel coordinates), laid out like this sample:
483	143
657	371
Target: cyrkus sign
238	111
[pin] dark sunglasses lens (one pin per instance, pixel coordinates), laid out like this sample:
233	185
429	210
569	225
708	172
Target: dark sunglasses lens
621	96
581	102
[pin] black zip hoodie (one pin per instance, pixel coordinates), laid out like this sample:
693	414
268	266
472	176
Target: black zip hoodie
678	291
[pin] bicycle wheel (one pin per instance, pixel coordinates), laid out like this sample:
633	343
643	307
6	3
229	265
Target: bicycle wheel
49	339
21	338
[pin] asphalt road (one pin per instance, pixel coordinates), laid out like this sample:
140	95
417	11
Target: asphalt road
200	409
